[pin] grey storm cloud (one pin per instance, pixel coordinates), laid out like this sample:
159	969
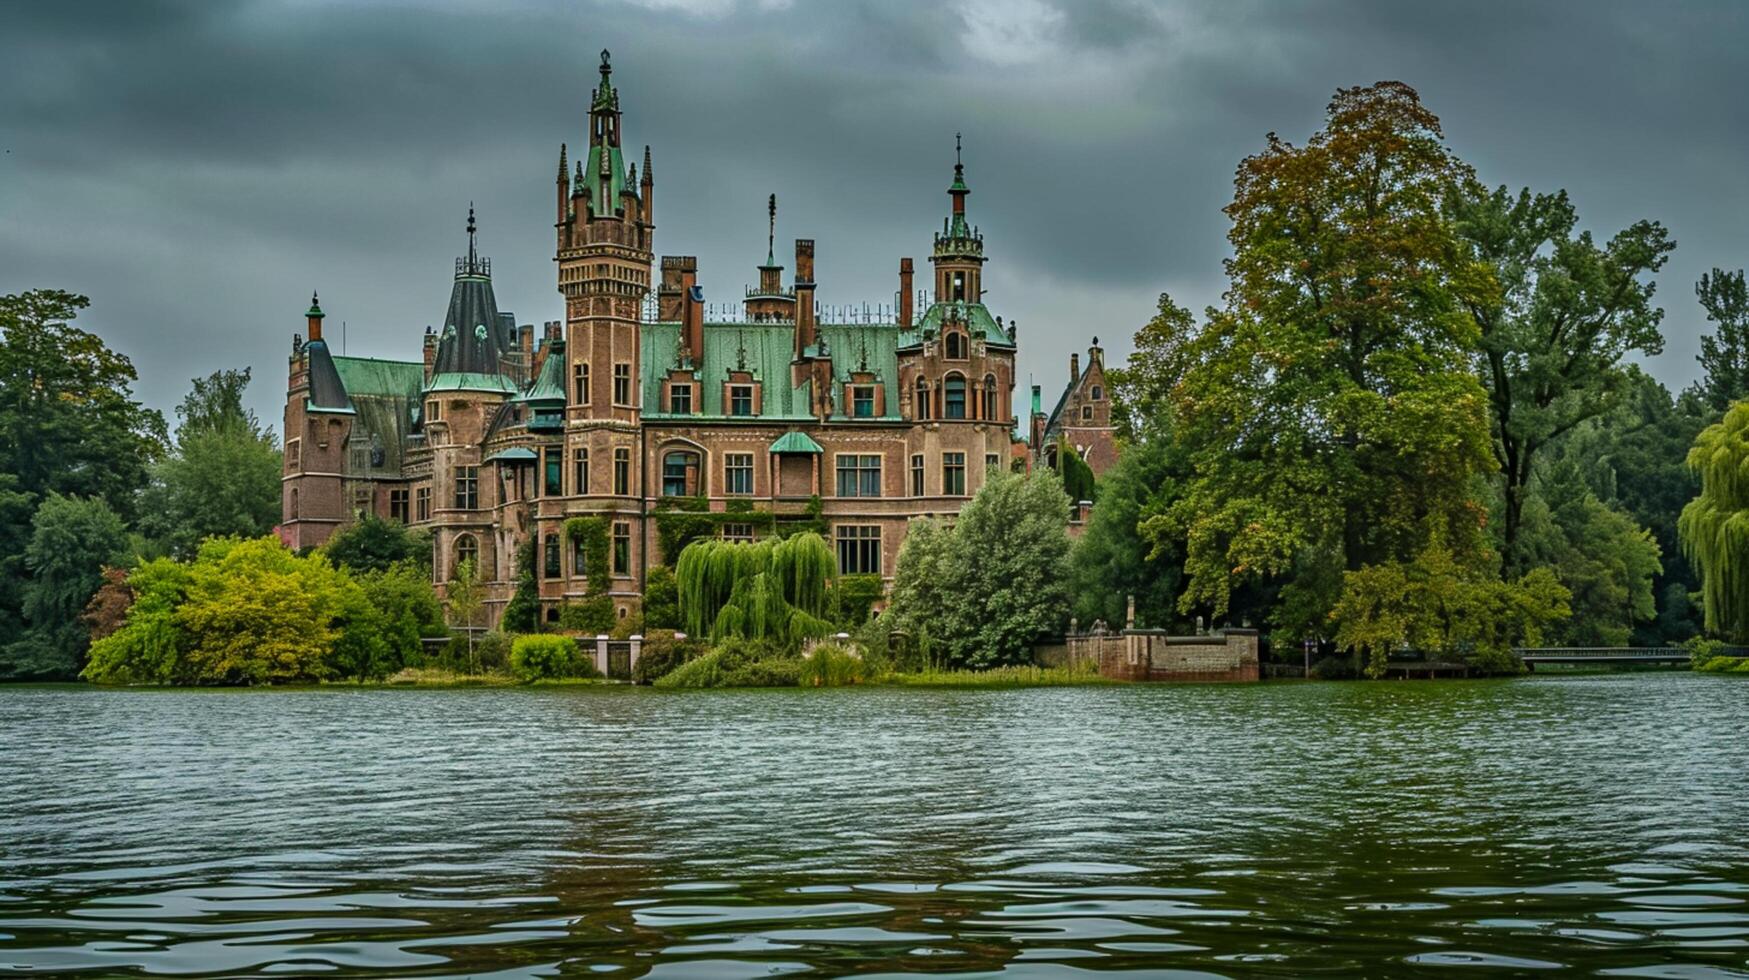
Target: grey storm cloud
198	168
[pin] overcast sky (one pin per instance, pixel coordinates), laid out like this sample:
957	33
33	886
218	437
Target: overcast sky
198	168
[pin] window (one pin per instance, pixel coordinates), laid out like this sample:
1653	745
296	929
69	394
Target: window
956	346
738	473
1086	413
953	474
917	475
580	471
859	475
622	384
422	504
398	505
740	399
680	399
555	473
361	502
991	462
990	411
467	488
959	286
579	558
862	401
922	399
680	473
954	397
580	383
859	549
622	548
466	550
294	453
294	503
550	557
1098	393
737	532
433	411
622	471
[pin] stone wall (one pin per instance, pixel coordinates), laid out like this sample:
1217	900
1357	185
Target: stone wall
1151	655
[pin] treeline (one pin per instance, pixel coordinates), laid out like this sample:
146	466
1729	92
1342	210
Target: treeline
1414	421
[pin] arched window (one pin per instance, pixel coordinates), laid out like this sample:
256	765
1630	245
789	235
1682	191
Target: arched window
680	470
956	346
467	549
953	399
990	398
922	399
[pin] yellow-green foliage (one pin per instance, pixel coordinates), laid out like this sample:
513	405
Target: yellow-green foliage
1014	676
1726	665
831	665
737	663
772	589
1715	525
542	656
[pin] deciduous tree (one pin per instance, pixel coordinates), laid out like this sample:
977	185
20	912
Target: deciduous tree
1724	354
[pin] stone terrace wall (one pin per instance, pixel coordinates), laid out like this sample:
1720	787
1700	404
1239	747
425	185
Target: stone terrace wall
1149	655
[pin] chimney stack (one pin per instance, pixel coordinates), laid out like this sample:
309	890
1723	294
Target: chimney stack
314	315
668	295
804	295
905	295
1074	368
692	318
430	352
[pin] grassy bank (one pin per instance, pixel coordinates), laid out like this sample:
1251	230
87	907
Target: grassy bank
996	677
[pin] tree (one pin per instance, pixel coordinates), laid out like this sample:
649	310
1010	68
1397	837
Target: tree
222	478
522	612
148	648
1557	314
464	599
68	421
1141	390
1605	560
1439	605
1715	525
404	610
1078	480
1724	356
1330	408
72	540
376	544
774	589
985	589
1113	561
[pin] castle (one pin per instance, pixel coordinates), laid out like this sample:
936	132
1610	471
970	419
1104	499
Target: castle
634	409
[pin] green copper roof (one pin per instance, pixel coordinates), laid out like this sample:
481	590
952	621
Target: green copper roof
975	315
364	376
470	381
616	181
762	349
796	442
549	387
515	454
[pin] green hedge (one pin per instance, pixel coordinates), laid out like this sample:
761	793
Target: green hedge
538	657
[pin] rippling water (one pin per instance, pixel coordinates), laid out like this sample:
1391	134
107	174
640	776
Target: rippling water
1594	824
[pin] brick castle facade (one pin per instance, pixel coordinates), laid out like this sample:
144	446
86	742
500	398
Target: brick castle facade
634	406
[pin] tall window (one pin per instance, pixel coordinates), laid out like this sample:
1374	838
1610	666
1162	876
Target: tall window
293	453
555	472
294	503
680	399
954	397
738	473
622	471
578	556
398	505
859	549
467	488
433	411
922	399
467	549
580	471
1098	393
953	474
622	548
917	475
580	383
862	401
990	398
680	473
421	504
740	399
959	286
956	346
622	384
737	532
859	475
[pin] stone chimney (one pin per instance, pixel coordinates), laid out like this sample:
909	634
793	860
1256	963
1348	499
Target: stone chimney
692	319
804	295
430	352
906	296
1074	368
668	294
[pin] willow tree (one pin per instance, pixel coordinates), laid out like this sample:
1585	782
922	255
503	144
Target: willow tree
1715	525
771	589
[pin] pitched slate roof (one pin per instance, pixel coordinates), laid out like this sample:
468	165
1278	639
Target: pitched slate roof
327	391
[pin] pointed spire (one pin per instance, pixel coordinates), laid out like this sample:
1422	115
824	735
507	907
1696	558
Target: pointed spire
562	166
771	231
649	174
315	310
473	253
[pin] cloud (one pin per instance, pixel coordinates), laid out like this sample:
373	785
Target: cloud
198	168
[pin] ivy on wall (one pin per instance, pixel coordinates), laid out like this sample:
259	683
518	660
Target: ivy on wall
683	520
592	533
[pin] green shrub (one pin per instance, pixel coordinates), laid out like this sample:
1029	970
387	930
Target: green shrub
627	628
492	650
831	665
852	597
1702	651
540	656
1335	668
592	616
737	662
662	653
661	600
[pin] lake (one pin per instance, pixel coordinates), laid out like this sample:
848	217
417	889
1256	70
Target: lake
1596	824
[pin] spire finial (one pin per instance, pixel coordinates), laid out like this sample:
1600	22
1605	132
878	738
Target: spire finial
606	63
771	231
473	254
956	151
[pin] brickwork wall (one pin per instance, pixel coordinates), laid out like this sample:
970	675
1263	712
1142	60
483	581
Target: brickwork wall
1149	656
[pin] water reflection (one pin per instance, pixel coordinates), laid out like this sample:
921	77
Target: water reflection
1584	823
